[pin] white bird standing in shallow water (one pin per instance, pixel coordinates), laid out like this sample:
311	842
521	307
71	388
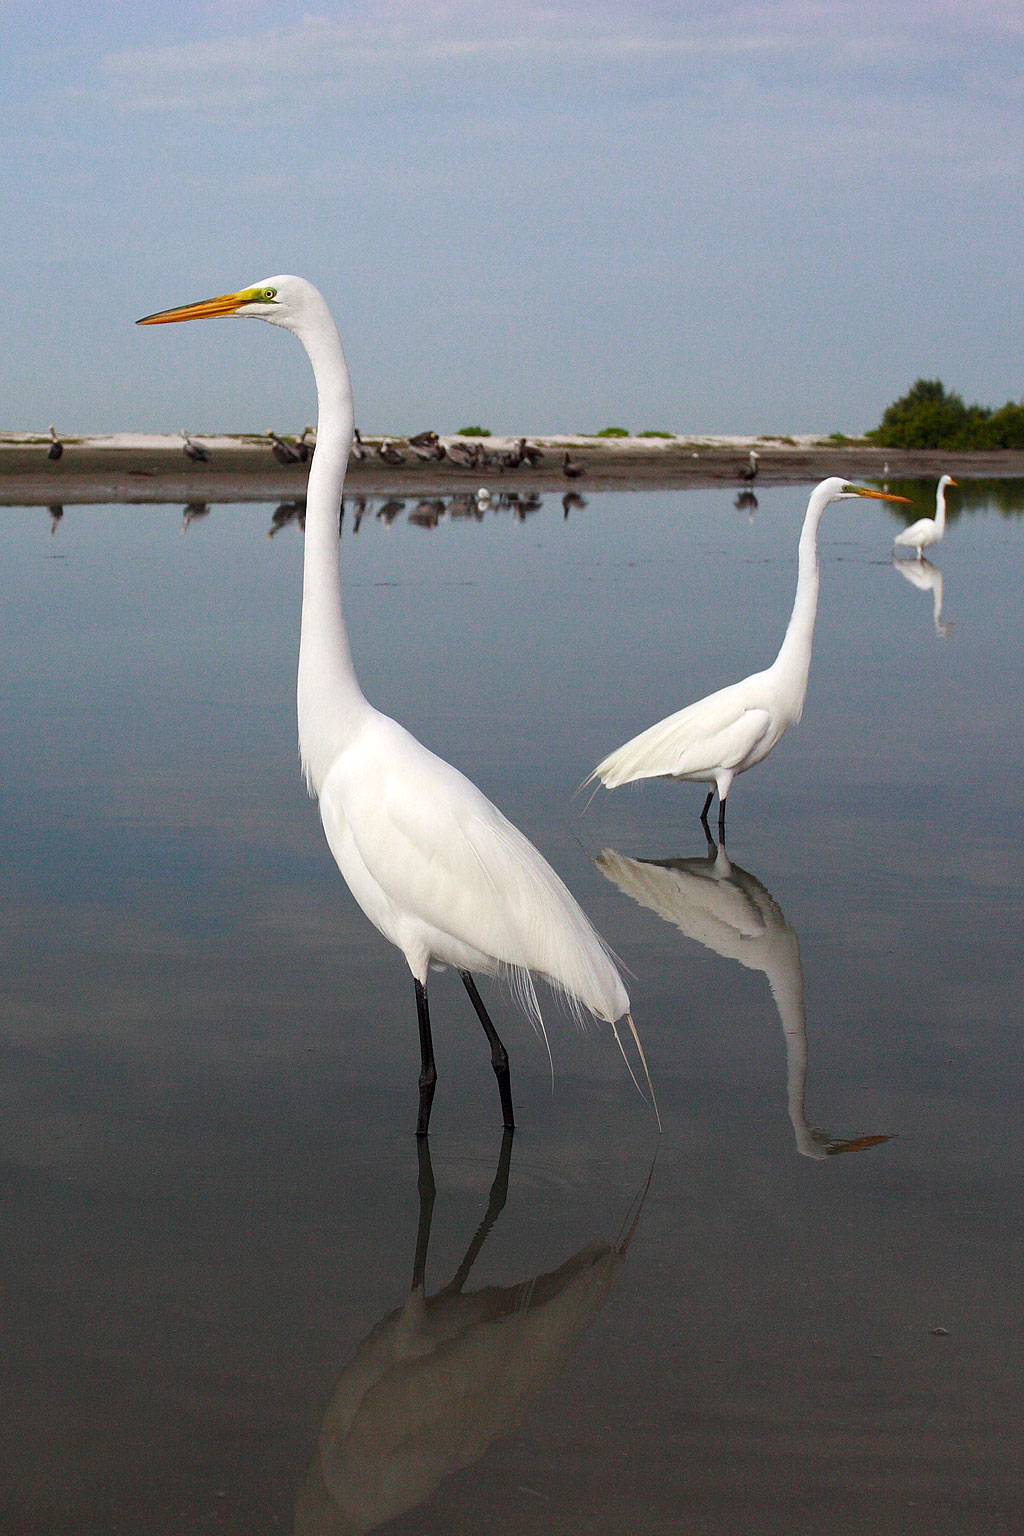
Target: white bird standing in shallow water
731	730
433	864
927	530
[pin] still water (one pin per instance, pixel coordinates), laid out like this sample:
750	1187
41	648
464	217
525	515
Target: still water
236	1299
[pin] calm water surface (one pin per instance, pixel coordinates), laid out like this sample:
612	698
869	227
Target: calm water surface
213	1207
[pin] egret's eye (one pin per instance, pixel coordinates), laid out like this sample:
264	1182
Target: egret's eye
269	293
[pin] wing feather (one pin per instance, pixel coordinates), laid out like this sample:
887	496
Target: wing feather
449	861
717	732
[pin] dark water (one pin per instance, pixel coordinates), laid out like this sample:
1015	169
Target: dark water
212	1200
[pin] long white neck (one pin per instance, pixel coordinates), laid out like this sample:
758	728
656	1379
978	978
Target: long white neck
940	508
331	704
793	663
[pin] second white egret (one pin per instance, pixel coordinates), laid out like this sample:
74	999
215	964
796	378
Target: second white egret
927	530
723	735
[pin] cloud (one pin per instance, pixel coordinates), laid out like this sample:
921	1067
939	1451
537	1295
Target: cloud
380	51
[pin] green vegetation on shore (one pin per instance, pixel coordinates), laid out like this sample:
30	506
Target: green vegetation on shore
929	417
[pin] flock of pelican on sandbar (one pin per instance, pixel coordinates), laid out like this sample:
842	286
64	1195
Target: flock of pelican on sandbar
433	864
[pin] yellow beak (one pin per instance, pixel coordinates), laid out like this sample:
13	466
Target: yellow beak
862	490
207	309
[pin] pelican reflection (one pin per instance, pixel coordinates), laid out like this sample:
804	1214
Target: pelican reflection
921	573
729	911
443	1375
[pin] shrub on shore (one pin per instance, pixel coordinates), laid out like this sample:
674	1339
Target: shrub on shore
928	416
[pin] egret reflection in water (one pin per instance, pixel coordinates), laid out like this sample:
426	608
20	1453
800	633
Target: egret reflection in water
443	1375
927	578
729	911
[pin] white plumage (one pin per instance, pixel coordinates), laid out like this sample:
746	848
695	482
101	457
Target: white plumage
927	530
730	731
433	864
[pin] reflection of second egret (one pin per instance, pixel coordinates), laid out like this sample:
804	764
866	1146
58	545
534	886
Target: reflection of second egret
927	578
730	912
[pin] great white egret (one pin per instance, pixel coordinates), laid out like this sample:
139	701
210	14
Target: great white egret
718	737
927	530
729	911
433	864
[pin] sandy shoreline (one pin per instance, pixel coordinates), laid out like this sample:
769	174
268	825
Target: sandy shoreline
153	468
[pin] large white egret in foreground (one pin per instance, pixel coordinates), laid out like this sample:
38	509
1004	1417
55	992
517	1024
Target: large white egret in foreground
433	864
927	530
728	732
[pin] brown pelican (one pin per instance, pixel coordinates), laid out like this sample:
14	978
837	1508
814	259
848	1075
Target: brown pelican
430	453
284	453
466	455
749	471
195	452
423	440
56	447
573	468
532	454
359	449
389	453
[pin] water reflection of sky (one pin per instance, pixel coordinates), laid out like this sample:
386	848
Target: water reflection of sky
209	1063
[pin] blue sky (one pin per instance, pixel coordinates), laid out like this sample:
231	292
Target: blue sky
708	217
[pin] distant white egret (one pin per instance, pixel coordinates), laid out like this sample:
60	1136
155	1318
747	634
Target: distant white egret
723	735
433	864
927	530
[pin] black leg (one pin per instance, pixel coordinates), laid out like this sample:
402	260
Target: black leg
721	821
427	1193
499	1055
704	812
428	1072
